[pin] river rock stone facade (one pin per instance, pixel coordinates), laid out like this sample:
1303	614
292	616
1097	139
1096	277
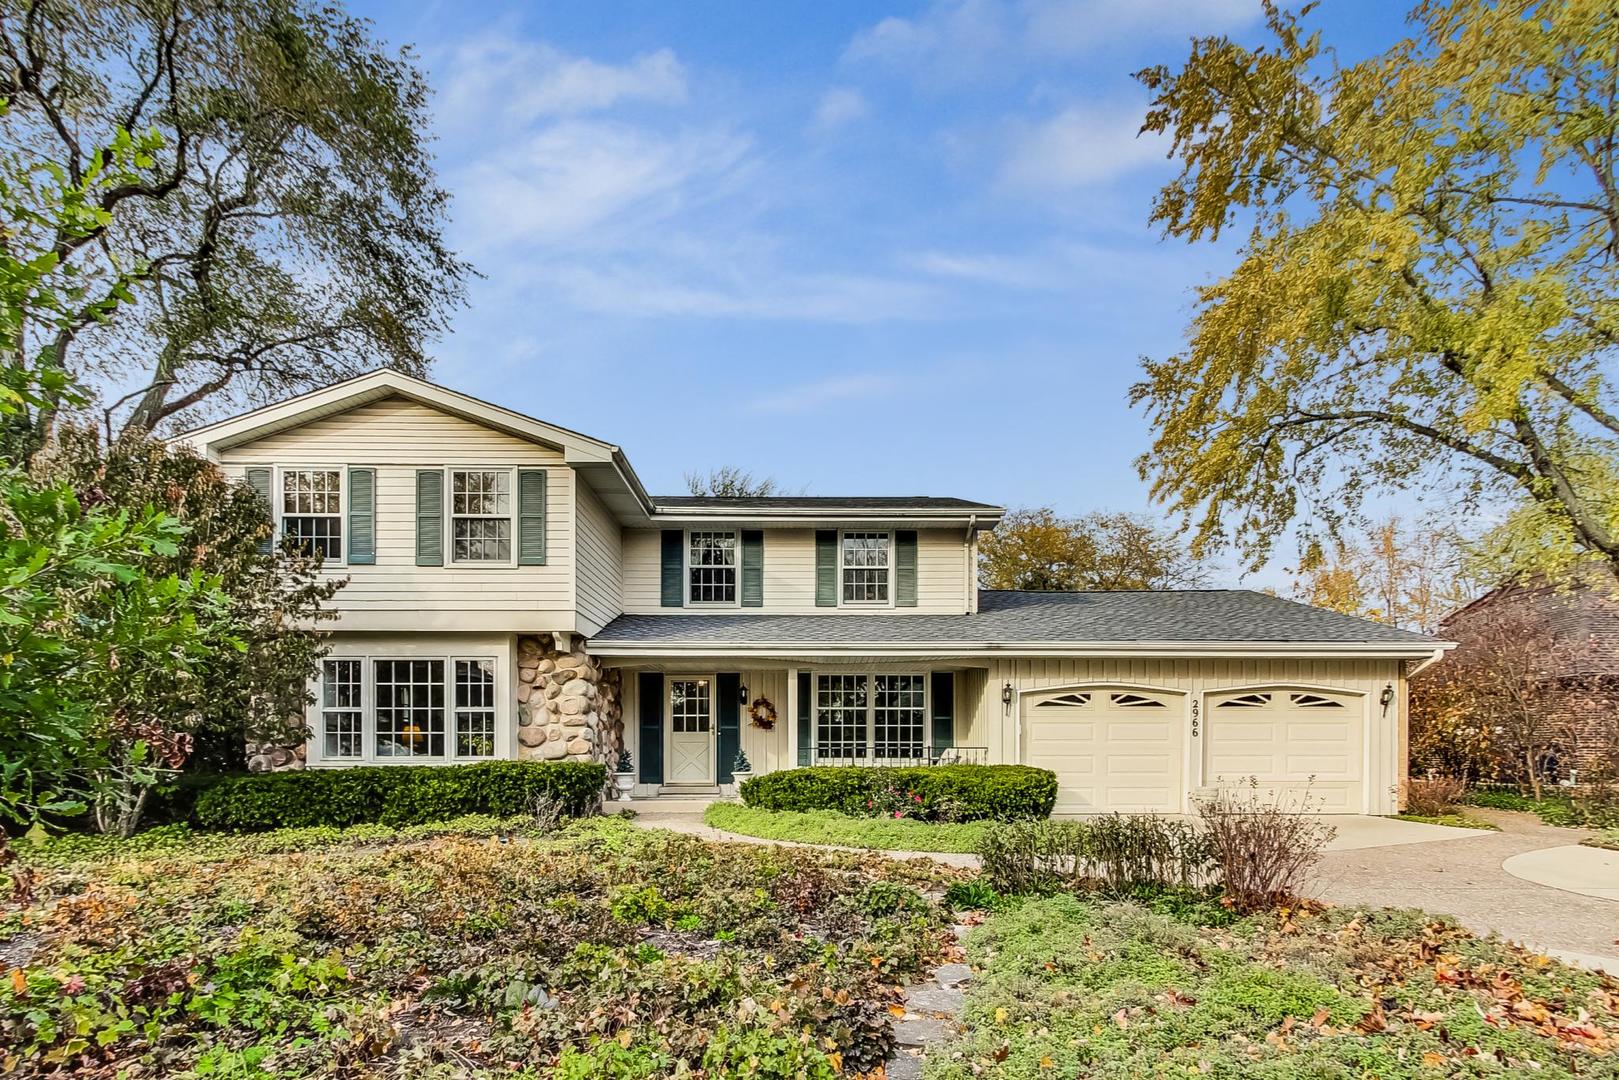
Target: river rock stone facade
569	708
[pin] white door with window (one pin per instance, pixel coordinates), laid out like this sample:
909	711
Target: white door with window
1112	749
691	731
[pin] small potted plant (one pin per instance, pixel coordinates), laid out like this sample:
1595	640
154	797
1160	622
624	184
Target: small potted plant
741	770
624	776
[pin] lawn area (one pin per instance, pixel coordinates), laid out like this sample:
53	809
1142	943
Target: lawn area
1455	821
1553	809
1071	987
477	948
831	827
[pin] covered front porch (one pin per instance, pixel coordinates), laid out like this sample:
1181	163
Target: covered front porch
687	720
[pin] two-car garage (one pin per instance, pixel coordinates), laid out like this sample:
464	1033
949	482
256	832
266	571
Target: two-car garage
1137	749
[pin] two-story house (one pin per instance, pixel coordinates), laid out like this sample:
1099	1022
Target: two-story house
513	591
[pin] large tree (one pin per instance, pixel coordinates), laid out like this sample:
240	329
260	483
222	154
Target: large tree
1428	294
1035	549
289	229
1404	574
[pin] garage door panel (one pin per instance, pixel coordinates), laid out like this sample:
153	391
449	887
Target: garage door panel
1292	742
1111	750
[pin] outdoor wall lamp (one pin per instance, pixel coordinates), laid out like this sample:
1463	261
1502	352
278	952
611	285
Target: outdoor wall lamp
1006	694
1386	698
742	695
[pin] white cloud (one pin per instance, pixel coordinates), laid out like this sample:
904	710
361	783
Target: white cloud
1005	271
839	106
812	396
516	82
1071	27
1083	145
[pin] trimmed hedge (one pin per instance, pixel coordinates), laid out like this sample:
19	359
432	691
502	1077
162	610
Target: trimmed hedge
972	792
397	794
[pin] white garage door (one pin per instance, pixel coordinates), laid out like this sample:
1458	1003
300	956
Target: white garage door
1111	749
1291	741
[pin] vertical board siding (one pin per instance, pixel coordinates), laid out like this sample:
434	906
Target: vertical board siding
601	563
789	573
396	438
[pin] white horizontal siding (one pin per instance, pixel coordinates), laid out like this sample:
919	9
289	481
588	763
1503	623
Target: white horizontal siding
601	562
789	574
397	437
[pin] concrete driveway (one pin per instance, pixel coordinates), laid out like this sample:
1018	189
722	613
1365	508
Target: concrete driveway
1459	872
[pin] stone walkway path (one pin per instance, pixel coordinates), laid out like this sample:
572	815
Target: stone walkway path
932	1015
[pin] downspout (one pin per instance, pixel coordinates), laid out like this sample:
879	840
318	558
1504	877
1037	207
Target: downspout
1438	655
967	557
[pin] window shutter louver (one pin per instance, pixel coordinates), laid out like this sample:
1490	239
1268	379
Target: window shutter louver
826	568
944	710
362	517
429	517
905	568
806	716
674	568
259	481
728	707
753	568
531	517
650	691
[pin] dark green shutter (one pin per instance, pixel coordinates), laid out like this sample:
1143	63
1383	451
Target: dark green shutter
530	517
728	688
650	690
806	716
826	568
944	710
362	517
259	481
674	568
429	517
753	568
905	568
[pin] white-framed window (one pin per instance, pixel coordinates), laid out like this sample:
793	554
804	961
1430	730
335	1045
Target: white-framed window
474	708
342	708
866	567
711	567
408	708
482	516
874	718
691	705
311	510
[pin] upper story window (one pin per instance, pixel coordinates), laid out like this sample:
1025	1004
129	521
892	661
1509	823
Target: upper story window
711	561
312	510
867	565
481	515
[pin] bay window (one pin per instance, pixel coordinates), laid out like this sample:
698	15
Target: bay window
415	708
873	718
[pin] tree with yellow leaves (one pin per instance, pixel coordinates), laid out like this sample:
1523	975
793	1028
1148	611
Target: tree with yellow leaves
1429	291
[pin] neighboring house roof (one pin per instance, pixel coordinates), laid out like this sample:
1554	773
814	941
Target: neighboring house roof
1206	621
1583	616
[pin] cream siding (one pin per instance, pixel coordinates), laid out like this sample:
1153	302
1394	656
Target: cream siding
601	563
397	437
789	574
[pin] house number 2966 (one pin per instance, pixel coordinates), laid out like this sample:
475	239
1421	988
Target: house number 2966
1194	719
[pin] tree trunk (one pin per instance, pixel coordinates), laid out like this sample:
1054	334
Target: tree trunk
1534	774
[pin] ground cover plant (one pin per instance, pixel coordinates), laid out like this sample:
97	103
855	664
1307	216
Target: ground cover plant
831	827
1594	811
1074	986
473	948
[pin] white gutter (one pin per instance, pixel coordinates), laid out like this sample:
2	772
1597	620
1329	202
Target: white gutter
1437	655
1174	649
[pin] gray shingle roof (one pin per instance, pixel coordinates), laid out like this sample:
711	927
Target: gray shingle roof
816	503
1193	616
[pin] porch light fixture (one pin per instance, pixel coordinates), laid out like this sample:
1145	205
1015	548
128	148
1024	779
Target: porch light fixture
1006	694
742	695
1386	698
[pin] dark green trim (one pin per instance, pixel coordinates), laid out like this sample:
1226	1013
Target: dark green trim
531	517
674	568
362	538
728	710
429	517
649	689
905	568
944	709
259	480
806	716
753	568
826	568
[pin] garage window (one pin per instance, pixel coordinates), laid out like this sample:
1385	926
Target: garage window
871	718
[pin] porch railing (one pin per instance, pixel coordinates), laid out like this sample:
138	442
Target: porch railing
943	755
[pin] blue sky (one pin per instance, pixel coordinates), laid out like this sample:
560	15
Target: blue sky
862	248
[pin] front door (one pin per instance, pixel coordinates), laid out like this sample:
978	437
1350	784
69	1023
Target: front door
691	731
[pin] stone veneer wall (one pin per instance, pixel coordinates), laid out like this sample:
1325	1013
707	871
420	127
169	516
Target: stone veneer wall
568	706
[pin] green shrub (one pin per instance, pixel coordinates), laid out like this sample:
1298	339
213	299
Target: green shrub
398	794
941	792
1115	854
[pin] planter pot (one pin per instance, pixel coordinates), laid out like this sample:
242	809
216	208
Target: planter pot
737	779
624	782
